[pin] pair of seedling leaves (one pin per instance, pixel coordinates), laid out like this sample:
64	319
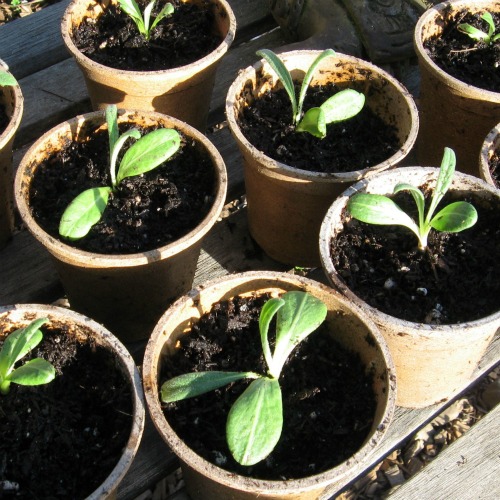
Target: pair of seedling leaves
150	151
143	21
15	346
255	420
478	35
380	209
340	107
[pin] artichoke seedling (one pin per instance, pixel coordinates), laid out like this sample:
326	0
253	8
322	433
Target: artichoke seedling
143	21
339	107
382	210
255	420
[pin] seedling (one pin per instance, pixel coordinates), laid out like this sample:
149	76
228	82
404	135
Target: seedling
143	23
146	154
255	420
340	107
478	35
453	218
6	79
16	345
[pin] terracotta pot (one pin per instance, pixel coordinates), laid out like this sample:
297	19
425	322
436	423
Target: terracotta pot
81	326
490	145
350	327
286	205
452	113
182	92
11	99
127	293
433	362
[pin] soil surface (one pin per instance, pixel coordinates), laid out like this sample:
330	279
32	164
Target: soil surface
143	213
472	62
62	439
358	143
328	400
182	38
4	119
457	279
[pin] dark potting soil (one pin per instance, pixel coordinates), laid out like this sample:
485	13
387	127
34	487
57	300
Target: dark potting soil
355	144
475	63
62	439
328	400
4	119
145	212
456	280
494	165
182	38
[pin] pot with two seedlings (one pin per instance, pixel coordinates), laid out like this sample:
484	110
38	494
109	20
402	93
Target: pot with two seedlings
417	249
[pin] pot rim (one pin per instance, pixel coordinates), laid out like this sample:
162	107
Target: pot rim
87	259
231	479
289	171
490	144
13	92
130	369
429	17
409	327
179	72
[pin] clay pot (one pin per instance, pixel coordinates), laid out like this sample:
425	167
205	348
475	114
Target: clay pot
433	362
127	293
11	99
286	205
182	92
490	145
83	327
349	326
452	113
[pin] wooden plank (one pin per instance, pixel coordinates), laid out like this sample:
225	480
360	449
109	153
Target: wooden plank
33	43
468	469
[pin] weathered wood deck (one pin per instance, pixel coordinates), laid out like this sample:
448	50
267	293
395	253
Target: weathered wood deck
54	90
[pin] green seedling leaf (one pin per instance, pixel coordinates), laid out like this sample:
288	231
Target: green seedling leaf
418	197
255	422
83	212
455	217
38	371
165	12
313	122
267	313
131	8
18	344
6	79
307	80
343	105
147	16
378	209
120	142
283	75
300	316
194	384
148	152
111	120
